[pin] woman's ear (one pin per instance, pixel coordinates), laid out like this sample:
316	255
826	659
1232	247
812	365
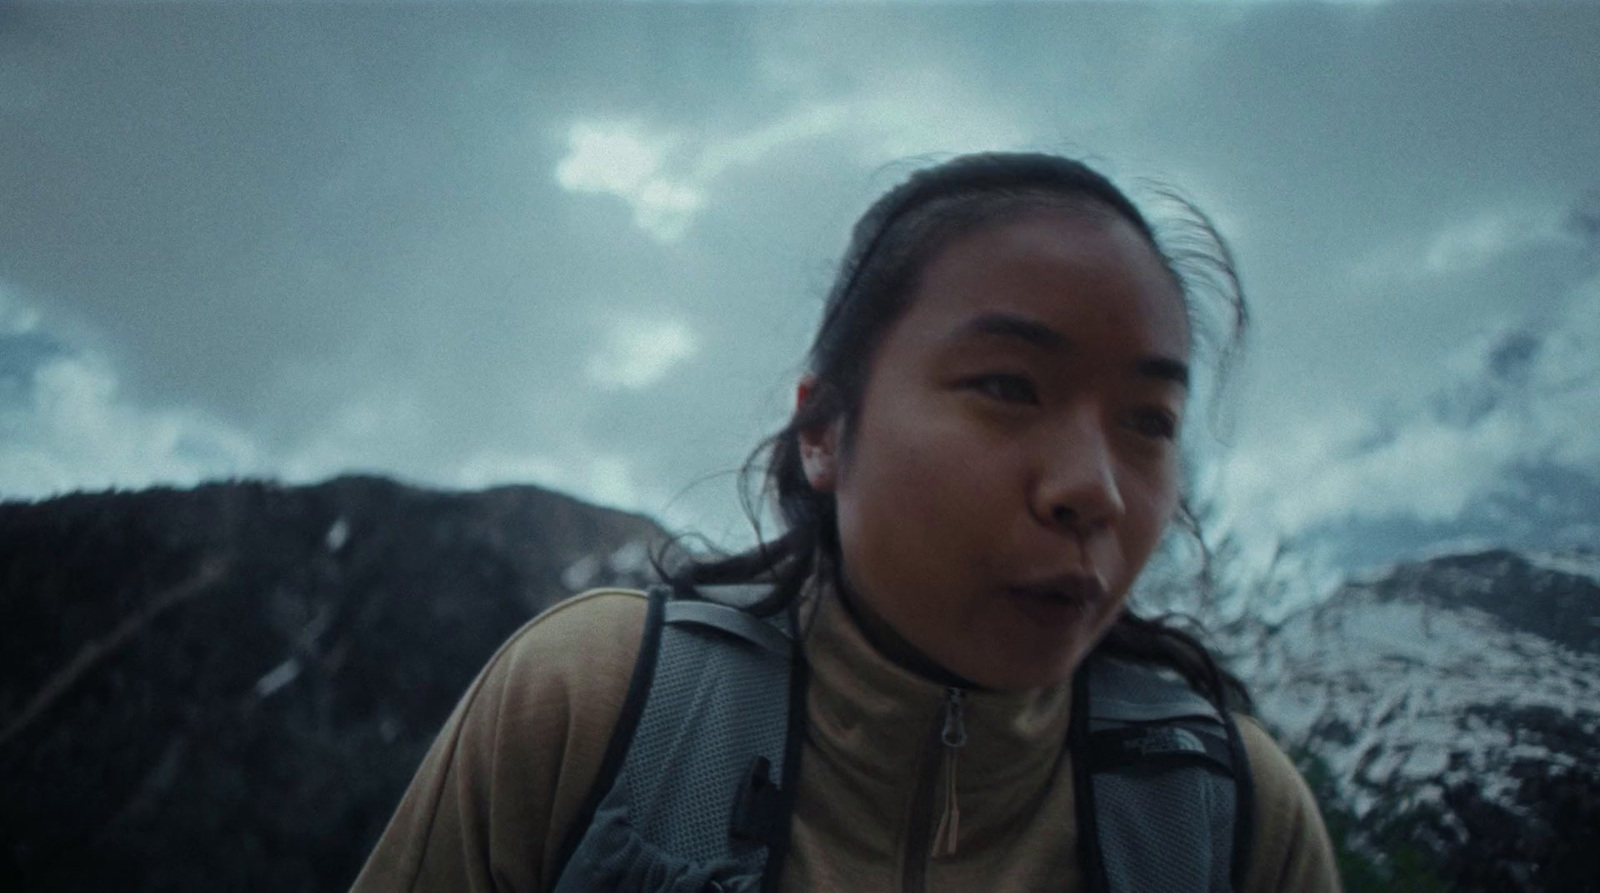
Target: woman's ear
818	446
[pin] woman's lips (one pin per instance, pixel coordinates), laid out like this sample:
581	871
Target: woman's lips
1058	602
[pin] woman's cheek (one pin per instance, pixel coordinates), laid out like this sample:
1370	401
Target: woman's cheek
1152	506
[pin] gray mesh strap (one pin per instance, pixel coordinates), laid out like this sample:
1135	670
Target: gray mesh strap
1170	831
1165	822
716	703
1126	692
730	620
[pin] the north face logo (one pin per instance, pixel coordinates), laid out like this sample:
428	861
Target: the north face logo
1164	741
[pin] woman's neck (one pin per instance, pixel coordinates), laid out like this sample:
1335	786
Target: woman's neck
884	637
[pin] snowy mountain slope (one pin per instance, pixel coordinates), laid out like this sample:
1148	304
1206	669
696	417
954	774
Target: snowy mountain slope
1455	701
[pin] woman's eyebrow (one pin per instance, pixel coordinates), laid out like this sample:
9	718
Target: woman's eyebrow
1008	325
1163	369
1041	336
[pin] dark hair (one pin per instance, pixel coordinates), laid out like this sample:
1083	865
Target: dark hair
877	277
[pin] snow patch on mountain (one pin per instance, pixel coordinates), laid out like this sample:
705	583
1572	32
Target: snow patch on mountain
1576	564
1437	691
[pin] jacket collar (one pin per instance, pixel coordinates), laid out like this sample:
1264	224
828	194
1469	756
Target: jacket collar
884	721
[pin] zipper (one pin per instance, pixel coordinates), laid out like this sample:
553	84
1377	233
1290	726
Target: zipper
926	839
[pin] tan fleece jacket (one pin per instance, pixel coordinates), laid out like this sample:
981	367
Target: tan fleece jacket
491	804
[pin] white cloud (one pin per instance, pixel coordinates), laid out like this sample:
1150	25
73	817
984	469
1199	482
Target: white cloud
920	112
366	431
1465	245
1470	244
75	431
609	480
631	161
579	470
616	158
66	425
750	147
15	316
1566	377
490	468
667	178
665	209
639	352
1520	394
625	159
1428	470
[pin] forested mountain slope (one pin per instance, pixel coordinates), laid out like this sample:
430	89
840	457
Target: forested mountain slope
227	688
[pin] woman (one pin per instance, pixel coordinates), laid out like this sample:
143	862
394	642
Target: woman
982	459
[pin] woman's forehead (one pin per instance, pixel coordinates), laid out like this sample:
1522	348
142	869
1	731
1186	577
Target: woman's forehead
1067	272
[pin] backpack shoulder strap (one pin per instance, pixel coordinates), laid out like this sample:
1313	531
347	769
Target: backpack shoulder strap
686	798
728	620
1158	768
622	733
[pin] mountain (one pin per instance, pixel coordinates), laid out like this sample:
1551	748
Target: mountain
229	687
1448	712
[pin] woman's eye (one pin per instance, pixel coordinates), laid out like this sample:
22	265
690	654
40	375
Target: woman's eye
1157	424
1007	388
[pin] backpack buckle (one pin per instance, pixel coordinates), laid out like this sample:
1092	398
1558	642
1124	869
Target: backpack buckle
755	804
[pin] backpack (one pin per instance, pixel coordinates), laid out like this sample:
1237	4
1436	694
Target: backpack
686	800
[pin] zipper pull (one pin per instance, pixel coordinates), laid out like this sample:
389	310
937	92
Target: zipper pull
954	737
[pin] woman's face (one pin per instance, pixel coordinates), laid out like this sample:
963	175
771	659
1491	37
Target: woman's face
1014	461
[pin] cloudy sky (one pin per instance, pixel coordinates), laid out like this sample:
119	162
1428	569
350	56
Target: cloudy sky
585	246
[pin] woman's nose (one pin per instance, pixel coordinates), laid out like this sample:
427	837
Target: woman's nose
1077	487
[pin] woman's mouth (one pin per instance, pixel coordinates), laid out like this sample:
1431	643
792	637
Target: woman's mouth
1058	602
